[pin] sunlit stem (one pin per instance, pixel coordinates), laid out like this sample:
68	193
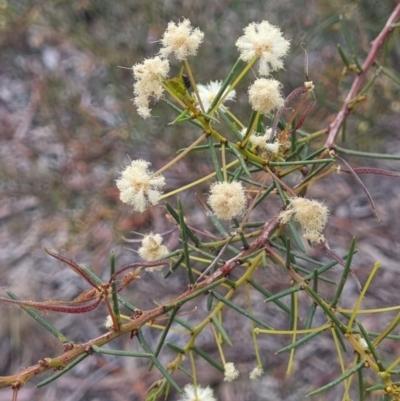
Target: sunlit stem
233	85
193	83
348	383
251	130
339	351
183	105
194	373
224	162
312	136
159	327
367	311
245	277
331	170
218	342
291	332
294	311
253	334
193	184
396	362
388	329
179	157
219	317
234	118
361	297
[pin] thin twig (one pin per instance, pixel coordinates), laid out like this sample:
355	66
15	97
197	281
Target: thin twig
334	127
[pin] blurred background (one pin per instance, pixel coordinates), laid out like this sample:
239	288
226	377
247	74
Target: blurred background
68	127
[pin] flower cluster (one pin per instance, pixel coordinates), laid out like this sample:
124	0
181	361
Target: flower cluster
311	214
181	39
191	393
265	96
208	92
231	373
138	187
149	76
266	42
152	249
256	373
261	141
227	199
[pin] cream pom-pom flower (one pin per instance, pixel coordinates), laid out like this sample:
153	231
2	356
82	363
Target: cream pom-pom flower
138	187
190	393
152	249
260	141
181	39
149	76
266	42
256	373
227	199
311	214
265	95
209	91
231	373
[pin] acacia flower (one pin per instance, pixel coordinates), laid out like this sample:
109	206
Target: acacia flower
182	40
138	187
190	393
256	373
231	373
266	42
227	199
209	91
311	214
261	141
148	75
152	249
265	96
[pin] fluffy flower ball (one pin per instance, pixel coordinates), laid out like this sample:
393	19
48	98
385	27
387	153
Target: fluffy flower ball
256	373
208	92
182	40
148	76
311	214
227	199
265	95
152	249
266	42
138	187
198	394
231	373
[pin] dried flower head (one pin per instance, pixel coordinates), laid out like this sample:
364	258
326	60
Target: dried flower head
265	96
190	393
148	75
256	373
227	199
152	249
181	39
231	373
209	91
311	214
266	42
138	187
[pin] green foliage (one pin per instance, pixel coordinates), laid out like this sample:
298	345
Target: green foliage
272	235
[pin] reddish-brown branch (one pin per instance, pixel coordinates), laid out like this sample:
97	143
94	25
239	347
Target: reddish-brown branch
72	352
334	127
